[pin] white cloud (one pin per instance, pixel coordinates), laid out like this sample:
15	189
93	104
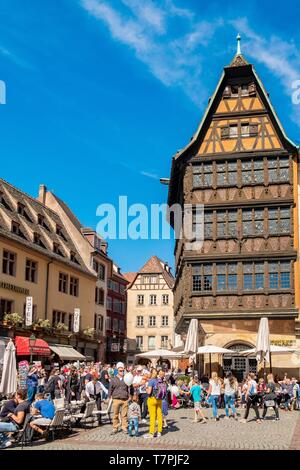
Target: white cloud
279	56
173	58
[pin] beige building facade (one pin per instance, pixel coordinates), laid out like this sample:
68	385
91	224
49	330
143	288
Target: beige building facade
150	319
46	255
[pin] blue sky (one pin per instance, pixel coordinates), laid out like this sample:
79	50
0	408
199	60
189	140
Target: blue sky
101	94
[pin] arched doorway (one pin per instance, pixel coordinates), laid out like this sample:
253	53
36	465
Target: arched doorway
240	366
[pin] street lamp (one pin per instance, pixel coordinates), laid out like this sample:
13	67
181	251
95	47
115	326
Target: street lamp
32	341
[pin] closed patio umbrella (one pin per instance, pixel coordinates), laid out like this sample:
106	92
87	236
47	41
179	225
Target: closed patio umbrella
211	349
191	343
9	375
263	342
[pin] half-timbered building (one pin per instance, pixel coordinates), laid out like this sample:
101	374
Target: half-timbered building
242	167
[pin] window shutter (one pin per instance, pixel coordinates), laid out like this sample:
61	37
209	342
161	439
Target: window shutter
253	129
252	89
227	92
225	132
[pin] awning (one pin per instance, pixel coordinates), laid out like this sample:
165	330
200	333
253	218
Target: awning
66	352
41	348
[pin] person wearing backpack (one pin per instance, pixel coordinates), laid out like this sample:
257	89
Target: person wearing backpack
157	391
251	398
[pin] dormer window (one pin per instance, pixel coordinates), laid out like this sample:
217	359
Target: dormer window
73	257
57	249
59	232
15	228
42	223
37	239
3	202
22	211
244	89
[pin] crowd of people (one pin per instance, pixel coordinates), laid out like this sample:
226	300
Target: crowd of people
138	393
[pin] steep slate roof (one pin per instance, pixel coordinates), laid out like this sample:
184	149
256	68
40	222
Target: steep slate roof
237	68
154	265
12	196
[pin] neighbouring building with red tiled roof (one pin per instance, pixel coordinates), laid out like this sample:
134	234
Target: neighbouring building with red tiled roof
150	323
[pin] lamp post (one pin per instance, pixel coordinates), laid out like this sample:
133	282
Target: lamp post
32	341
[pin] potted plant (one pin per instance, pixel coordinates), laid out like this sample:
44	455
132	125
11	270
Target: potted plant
45	324
61	327
90	332
14	319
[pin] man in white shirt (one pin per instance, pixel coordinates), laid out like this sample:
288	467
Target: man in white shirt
93	390
137	380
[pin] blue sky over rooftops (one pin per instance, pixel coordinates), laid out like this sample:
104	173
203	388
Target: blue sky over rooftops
101	94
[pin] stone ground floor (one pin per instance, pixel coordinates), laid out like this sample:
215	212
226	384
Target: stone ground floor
183	434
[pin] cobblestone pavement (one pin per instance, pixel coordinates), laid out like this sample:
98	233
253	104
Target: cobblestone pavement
184	434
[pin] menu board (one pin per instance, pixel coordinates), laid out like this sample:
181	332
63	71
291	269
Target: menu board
23	368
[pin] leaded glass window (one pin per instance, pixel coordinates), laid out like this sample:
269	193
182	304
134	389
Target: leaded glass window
278	169
227	223
202	278
208	224
247	172
226	277
226	173
258	171
253	276
279	220
253	171
280	275
203	175
253	222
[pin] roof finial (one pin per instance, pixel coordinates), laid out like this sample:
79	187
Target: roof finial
238	49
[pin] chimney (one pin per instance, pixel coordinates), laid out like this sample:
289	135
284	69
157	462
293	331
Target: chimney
42	193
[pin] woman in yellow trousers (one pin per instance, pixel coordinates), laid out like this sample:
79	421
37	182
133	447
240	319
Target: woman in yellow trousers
154	404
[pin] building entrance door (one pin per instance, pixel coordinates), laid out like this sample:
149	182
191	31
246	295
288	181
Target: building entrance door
240	366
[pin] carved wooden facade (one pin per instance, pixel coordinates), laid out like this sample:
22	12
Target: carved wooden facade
243	168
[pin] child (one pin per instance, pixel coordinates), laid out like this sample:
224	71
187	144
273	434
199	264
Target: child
165	411
195	392
134	414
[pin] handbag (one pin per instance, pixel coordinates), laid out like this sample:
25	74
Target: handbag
269	403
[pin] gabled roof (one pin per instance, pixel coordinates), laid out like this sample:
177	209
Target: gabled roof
154	265
29	226
130	277
238	67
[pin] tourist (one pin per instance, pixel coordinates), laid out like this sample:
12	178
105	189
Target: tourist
104	379
270	399
54	385
32	383
213	394
286	389
72	385
296	393
157	391
93	390
15	419
143	396
196	391
251	398
261	389
46	409
134	414
230	393
8	408
119	392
